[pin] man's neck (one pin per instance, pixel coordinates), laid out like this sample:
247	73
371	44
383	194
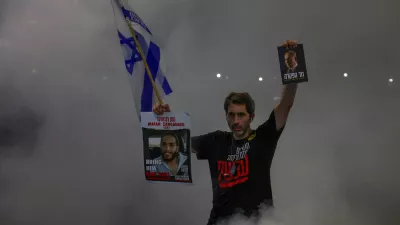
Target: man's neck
173	162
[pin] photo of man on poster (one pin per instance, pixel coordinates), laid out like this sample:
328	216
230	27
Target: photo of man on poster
172	160
293	64
291	61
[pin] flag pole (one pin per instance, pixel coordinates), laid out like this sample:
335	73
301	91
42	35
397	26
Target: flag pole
144	59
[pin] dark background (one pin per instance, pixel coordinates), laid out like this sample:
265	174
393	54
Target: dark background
337	160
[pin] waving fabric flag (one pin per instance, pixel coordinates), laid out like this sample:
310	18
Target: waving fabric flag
142	88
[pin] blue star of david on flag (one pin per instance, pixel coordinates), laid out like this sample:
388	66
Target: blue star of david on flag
135	56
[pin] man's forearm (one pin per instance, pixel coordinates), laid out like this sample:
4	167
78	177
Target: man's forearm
288	95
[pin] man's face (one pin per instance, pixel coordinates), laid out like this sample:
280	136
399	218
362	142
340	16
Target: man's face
169	148
238	120
290	60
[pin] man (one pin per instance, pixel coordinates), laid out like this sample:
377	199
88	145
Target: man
240	160
291	61
171	159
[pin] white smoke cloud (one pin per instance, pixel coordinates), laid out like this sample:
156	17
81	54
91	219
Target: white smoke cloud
66	102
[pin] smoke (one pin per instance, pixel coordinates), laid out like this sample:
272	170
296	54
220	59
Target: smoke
333	211
64	157
70	144
18	131
19	125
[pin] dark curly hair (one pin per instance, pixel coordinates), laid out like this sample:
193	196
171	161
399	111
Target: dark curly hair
170	134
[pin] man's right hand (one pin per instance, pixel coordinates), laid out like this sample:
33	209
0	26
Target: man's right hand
290	44
161	109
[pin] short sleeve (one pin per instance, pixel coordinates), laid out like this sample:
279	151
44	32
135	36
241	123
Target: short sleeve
202	145
268	128
269	136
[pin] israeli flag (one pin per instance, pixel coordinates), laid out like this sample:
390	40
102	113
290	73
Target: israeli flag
142	88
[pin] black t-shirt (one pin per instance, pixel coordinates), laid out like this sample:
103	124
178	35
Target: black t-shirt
240	169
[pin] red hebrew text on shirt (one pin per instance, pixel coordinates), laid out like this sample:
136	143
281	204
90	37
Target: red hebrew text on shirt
232	173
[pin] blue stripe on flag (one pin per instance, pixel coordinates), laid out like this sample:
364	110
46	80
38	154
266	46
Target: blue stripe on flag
142	42
153	61
134	18
165	86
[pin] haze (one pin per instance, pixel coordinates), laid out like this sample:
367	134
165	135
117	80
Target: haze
70	145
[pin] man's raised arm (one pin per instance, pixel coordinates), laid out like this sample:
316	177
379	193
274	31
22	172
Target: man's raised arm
287	99
283	108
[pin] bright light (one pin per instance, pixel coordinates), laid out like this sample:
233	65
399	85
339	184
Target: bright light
345	75
390	80
218	75
260	78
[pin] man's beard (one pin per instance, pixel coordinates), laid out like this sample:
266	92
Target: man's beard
242	132
174	156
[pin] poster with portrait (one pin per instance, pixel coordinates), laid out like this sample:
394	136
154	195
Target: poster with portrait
292	64
166	146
